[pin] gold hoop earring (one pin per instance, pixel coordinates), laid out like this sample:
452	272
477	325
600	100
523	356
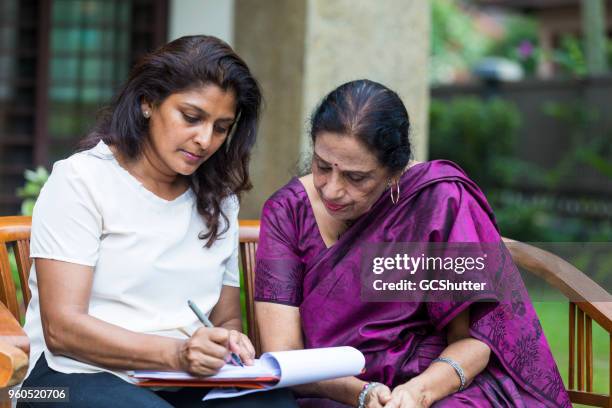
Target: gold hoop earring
395	197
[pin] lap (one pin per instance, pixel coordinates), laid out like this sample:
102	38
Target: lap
282	398
320	403
472	396
105	389
91	390
491	388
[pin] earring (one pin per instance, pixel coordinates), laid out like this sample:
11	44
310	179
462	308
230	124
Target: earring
395	188
146	114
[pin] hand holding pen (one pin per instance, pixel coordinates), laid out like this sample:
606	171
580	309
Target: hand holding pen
234	338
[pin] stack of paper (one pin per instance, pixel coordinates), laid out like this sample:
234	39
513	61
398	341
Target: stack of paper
302	367
255	376
272	370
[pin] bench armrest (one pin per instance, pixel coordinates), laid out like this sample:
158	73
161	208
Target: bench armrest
14	349
569	280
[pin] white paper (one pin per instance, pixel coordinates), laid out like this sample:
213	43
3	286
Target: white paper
261	368
303	367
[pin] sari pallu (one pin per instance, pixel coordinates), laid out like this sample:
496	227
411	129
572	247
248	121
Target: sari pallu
438	203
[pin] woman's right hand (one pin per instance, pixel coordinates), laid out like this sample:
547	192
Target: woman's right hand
205	352
378	396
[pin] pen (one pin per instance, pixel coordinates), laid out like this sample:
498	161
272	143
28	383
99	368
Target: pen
202	317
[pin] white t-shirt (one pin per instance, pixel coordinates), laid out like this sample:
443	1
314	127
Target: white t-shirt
145	251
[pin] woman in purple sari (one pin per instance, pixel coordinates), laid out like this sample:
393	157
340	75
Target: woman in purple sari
365	190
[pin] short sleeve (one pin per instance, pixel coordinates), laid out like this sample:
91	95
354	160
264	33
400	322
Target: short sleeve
66	223
279	269
231	275
466	219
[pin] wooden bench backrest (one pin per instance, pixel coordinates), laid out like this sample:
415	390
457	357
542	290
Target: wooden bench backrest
577	287
15	238
249	236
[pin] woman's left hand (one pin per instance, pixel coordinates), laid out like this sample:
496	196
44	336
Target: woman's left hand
408	395
240	344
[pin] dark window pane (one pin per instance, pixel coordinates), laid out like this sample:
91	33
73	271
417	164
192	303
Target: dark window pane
92	69
90	55
63	93
66	11
91	45
65	39
64	69
92	40
8	37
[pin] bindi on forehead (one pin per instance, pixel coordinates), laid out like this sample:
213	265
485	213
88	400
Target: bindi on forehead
344	152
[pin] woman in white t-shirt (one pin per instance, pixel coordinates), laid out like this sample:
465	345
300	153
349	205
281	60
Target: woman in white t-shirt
142	219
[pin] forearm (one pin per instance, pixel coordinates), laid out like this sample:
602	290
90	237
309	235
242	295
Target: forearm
232	324
280	326
441	379
97	342
227	312
345	390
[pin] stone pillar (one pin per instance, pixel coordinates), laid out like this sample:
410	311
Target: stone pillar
210	17
302	49
593	14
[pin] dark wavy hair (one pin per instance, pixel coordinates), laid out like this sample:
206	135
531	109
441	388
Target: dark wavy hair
181	65
371	112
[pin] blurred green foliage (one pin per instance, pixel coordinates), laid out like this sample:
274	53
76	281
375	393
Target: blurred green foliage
34	180
569	57
590	144
520	43
481	136
478	135
455	43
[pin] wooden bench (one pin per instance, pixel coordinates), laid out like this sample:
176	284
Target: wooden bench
14	345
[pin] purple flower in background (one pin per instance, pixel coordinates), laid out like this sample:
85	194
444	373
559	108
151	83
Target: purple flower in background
525	49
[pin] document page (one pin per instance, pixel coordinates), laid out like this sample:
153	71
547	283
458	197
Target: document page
261	368
303	367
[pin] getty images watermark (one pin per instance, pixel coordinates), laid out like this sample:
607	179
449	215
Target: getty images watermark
439	272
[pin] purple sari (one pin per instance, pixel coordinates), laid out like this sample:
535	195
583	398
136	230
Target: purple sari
438	203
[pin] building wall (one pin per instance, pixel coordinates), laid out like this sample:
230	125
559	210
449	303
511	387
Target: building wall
348	40
271	39
302	49
212	17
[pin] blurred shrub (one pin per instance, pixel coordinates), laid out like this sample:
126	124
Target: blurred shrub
520	43
590	142
479	135
456	44
569	57
34	180
458	41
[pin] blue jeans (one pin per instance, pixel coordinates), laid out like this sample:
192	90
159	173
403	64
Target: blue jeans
103	390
